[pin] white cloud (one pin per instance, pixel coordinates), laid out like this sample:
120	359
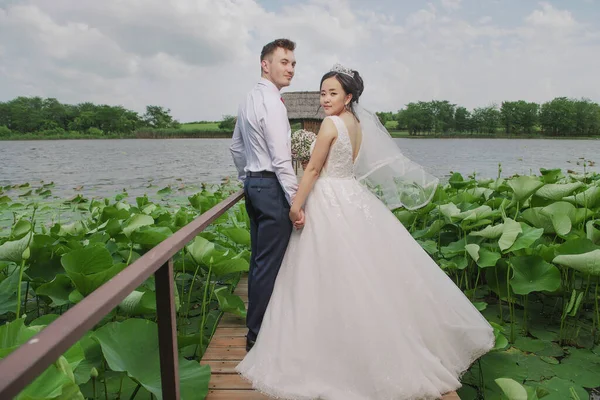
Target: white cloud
451	4
199	57
421	17
551	17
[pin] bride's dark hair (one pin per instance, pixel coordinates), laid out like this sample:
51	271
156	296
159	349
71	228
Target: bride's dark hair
351	85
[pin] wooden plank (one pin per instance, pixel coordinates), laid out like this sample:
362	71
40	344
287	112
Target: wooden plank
231	331
228	382
451	396
222	367
224	353
217	394
228	341
231	321
235	395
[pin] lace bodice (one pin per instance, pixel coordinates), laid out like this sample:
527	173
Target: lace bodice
339	163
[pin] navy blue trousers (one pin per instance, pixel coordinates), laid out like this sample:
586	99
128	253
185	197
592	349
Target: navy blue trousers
270	230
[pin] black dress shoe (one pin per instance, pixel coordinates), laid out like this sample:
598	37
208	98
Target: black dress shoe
249	344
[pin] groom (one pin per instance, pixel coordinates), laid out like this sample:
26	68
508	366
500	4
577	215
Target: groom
262	155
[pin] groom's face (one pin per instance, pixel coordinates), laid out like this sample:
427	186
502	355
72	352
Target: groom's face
280	67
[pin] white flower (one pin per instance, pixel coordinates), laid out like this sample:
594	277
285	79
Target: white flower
301	142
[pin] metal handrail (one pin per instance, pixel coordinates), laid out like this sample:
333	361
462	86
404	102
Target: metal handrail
27	362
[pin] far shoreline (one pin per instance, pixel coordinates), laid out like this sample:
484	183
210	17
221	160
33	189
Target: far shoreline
394	134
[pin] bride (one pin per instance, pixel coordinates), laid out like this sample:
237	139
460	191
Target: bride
359	310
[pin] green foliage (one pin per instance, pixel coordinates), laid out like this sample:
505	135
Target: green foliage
64	261
523	249
559	117
5	131
461	119
568	117
49	117
519	116
385	117
533	270
228	123
200	126
95	131
170	133
37	118
159	118
131	346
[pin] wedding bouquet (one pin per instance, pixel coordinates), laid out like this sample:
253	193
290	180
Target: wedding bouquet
301	142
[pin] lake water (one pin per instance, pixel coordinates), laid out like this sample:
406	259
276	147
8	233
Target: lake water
105	167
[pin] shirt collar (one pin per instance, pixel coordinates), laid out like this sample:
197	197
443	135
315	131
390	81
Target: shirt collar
269	84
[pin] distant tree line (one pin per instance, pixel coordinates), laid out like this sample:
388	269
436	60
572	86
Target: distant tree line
559	117
50	117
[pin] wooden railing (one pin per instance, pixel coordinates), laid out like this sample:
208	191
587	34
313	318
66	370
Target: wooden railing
27	362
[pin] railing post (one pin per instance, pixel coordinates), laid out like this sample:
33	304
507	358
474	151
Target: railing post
167	331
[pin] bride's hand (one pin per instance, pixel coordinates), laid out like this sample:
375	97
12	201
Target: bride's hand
297	217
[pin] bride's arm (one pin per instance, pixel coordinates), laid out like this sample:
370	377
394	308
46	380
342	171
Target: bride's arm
327	134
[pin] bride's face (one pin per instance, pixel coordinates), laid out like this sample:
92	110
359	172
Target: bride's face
333	97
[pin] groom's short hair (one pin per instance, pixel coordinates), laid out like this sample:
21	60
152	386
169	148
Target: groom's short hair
270	48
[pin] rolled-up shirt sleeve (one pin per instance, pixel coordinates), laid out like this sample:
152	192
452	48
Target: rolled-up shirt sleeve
238	151
277	133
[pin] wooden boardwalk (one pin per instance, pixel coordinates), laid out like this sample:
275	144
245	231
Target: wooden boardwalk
227	348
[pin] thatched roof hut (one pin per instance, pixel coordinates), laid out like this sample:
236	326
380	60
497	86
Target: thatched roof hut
304	107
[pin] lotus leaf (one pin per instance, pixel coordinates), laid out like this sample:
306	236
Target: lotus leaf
589	198
526	238
13	250
524	186
512	389
58	290
135	222
533	274
229	302
132	346
587	263
562	215
510	231
560	389
558	191
90	267
592	229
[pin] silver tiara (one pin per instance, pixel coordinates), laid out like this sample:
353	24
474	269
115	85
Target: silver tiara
343	70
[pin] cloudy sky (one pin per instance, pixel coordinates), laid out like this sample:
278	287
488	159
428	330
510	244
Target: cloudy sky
199	57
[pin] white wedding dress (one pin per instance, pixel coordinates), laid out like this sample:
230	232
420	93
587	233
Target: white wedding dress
359	310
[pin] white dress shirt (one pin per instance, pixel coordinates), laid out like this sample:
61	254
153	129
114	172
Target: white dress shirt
262	137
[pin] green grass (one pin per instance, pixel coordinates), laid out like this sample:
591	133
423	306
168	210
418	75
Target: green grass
399	134
204	126
66	136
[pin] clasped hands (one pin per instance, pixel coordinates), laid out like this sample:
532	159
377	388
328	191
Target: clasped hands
297	217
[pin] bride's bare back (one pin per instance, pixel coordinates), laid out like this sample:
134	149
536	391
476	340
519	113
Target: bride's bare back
354	132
